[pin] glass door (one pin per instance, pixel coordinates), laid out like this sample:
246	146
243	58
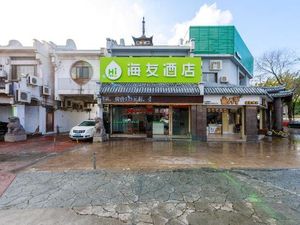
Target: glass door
181	120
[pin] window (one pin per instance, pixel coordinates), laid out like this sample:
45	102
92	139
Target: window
242	79
23	58
210	77
22	70
81	72
87	124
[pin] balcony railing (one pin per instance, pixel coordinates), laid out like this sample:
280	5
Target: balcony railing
68	86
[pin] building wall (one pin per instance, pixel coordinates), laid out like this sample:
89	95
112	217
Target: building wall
221	40
45	70
42	119
32	118
68	119
5	112
241	49
229	69
64	85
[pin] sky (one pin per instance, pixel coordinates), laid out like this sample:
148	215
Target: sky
263	24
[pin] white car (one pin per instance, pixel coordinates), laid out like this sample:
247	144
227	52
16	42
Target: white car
84	130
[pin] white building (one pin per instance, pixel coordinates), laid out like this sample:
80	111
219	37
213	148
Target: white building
26	86
76	75
49	87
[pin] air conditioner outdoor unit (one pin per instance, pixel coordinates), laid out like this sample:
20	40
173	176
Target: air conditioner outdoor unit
46	90
23	96
33	80
9	89
215	64
224	79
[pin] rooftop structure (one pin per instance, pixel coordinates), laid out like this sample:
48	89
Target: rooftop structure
222	40
143	40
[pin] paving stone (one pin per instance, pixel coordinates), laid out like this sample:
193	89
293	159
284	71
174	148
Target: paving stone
207	196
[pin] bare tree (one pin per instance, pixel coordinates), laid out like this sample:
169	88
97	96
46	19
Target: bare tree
276	63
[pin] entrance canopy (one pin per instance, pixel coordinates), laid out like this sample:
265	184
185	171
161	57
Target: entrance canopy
152	89
147	93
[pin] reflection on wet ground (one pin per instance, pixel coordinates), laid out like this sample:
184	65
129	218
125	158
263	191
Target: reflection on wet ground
136	154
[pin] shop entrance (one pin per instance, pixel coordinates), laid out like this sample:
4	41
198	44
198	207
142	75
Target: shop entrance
129	119
181	120
147	120
49	120
224	122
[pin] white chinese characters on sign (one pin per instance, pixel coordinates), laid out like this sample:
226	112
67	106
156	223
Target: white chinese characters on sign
170	69
188	70
151	70
134	69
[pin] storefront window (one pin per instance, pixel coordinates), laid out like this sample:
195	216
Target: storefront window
214	121
129	119
180	120
160	121
224	121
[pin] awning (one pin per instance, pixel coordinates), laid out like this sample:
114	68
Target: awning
178	89
219	89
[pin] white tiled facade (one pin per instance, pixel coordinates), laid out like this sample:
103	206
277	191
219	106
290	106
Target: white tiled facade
51	100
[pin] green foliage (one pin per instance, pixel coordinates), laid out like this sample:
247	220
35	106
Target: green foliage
297	108
276	68
291	82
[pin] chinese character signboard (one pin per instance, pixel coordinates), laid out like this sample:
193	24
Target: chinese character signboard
150	70
230	100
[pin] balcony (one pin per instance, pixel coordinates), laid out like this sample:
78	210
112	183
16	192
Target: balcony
2	87
66	86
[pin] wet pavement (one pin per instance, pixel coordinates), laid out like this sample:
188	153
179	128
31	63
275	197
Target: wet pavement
15	157
196	196
140	181
143	154
19	155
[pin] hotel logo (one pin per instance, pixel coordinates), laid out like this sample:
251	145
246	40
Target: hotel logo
113	71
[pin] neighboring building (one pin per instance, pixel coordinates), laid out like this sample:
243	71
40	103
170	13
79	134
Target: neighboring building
51	88
226	58
26	86
234	109
76	75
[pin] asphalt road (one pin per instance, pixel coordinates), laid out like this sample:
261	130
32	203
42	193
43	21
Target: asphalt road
195	196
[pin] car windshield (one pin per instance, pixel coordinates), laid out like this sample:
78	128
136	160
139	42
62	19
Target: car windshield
87	123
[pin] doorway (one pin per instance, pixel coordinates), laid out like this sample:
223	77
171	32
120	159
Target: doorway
181	120
49	120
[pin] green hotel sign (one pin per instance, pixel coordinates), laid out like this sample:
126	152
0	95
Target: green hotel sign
150	70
